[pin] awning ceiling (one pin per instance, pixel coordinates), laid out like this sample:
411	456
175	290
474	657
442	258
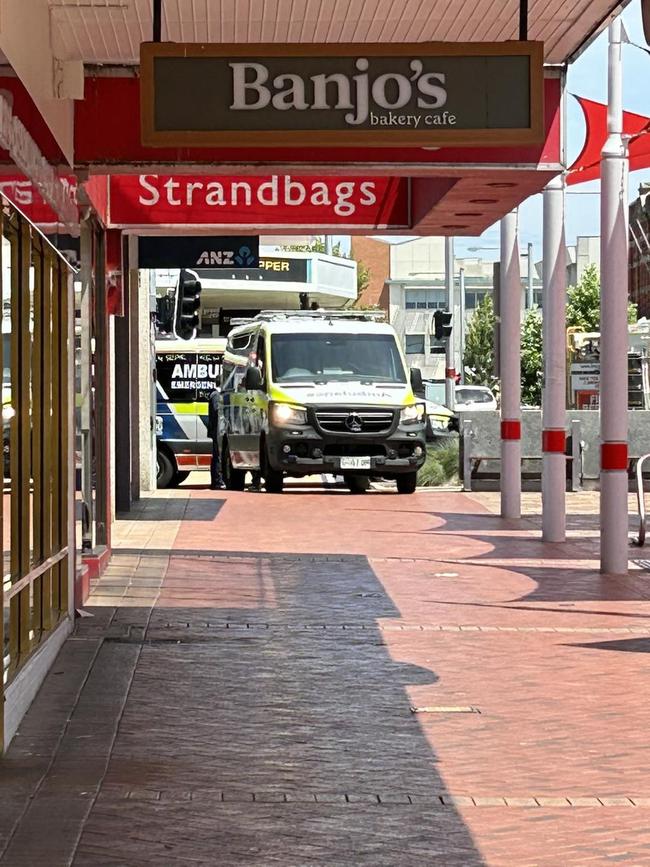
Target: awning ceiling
110	31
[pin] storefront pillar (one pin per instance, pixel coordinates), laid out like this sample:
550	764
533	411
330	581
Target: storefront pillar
510	368
614	326
124	399
94	402
554	355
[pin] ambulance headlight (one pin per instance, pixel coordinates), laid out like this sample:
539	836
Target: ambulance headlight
8	412
413	414
284	414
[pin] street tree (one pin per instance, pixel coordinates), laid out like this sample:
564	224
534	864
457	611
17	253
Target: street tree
582	313
531	358
583	303
478	359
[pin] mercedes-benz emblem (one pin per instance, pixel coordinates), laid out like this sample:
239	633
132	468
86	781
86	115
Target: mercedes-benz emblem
353	423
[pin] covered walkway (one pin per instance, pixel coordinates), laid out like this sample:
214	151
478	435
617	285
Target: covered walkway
244	692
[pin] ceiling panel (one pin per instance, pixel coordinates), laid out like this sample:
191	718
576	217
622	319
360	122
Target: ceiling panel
110	31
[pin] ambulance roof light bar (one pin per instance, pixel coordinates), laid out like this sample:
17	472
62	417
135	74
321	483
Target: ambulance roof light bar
276	315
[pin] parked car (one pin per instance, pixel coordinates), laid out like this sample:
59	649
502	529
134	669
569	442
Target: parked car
442	423
474	397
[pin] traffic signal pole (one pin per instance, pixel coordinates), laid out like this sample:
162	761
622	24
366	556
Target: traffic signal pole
510	368
613	327
450	368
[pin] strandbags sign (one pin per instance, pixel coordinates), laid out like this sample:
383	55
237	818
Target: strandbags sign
414	94
277	200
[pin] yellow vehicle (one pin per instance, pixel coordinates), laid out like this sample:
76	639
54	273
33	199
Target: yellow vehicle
187	372
307	392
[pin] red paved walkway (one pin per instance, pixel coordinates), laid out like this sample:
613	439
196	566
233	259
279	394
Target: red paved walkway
244	694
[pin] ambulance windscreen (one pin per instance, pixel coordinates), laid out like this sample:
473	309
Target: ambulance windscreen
336	358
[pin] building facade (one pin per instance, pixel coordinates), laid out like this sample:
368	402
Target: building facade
639	252
283	281
372	254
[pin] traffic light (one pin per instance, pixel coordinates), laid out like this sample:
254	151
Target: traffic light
442	324
188	302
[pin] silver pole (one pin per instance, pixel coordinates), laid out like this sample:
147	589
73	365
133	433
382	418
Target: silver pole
531	292
328	244
450	371
613	327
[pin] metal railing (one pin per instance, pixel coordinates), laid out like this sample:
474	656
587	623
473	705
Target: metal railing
640	498
476	447
348	314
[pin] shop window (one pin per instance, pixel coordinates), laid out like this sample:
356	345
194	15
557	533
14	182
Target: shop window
473	299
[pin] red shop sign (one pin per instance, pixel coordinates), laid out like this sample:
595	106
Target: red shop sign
22	192
282	201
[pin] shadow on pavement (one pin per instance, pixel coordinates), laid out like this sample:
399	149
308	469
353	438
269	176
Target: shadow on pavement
175	509
256	728
626	645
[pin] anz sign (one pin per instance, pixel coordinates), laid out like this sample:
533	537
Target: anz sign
198	251
242	258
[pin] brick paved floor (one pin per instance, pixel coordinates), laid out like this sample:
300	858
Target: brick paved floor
323	679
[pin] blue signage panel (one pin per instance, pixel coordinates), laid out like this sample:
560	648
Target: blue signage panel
199	251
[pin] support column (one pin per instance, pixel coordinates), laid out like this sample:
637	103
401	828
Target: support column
613	328
136	327
85	390
450	364
125	405
510	367
554	355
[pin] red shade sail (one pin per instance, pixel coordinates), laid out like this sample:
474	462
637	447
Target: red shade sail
587	165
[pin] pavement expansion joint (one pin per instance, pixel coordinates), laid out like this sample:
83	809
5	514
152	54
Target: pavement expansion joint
130	631
386	798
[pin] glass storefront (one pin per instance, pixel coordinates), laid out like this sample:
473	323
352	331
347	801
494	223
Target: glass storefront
35	509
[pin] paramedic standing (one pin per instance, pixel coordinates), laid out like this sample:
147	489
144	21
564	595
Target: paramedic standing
216	481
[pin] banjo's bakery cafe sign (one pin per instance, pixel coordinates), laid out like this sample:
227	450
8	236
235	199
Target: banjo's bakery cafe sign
429	94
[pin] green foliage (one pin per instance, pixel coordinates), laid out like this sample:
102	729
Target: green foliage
478	359
318	246
632	313
583	303
363	278
582	312
440	467
531	358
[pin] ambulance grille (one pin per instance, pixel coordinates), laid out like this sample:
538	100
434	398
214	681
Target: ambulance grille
355	421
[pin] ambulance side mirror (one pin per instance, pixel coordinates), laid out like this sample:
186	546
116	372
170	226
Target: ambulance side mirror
416	382
253	379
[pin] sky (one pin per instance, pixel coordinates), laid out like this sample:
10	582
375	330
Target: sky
586	77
